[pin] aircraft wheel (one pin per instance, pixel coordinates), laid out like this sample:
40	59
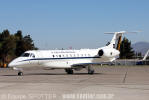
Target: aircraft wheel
20	73
69	71
91	72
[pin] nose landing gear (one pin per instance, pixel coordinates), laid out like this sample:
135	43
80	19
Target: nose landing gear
20	73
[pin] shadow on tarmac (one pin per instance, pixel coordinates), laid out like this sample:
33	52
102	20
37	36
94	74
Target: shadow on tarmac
32	74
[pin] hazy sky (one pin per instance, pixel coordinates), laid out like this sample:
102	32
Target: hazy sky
75	23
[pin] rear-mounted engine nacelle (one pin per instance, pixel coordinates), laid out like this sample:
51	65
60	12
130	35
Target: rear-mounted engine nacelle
108	52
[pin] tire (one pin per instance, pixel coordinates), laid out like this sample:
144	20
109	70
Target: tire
20	73
91	72
69	71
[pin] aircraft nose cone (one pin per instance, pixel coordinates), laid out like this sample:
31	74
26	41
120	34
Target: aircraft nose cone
11	64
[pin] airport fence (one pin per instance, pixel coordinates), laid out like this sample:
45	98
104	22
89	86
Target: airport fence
128	62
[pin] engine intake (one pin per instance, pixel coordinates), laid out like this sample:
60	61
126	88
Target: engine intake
100	53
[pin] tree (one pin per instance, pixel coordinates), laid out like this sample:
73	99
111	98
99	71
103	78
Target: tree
13	45
3	39
138	55
19	42
24	44
8	49
5	34
126	51
19	35
28	43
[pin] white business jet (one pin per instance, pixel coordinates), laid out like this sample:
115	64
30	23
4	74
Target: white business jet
69	59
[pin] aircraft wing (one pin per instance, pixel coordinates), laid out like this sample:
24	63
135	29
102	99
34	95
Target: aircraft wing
86	64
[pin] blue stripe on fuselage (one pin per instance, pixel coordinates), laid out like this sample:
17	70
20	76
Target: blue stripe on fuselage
58	58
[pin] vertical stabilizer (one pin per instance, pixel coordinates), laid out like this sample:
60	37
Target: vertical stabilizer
116	41
117	38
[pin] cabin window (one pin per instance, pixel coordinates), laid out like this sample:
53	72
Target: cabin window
53	56
59	55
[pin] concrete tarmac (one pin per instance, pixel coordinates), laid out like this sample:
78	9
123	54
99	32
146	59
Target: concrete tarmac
108	83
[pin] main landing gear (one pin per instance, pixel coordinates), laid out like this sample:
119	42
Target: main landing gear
69	71
90	70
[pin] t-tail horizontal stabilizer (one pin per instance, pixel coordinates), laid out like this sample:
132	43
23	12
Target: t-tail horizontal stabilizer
117	38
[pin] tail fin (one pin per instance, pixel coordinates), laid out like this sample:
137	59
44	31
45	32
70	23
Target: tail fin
117	38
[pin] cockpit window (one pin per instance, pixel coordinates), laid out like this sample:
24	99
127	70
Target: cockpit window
25	55
28	55
32	55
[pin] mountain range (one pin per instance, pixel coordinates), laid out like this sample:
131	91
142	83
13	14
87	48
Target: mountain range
140	47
